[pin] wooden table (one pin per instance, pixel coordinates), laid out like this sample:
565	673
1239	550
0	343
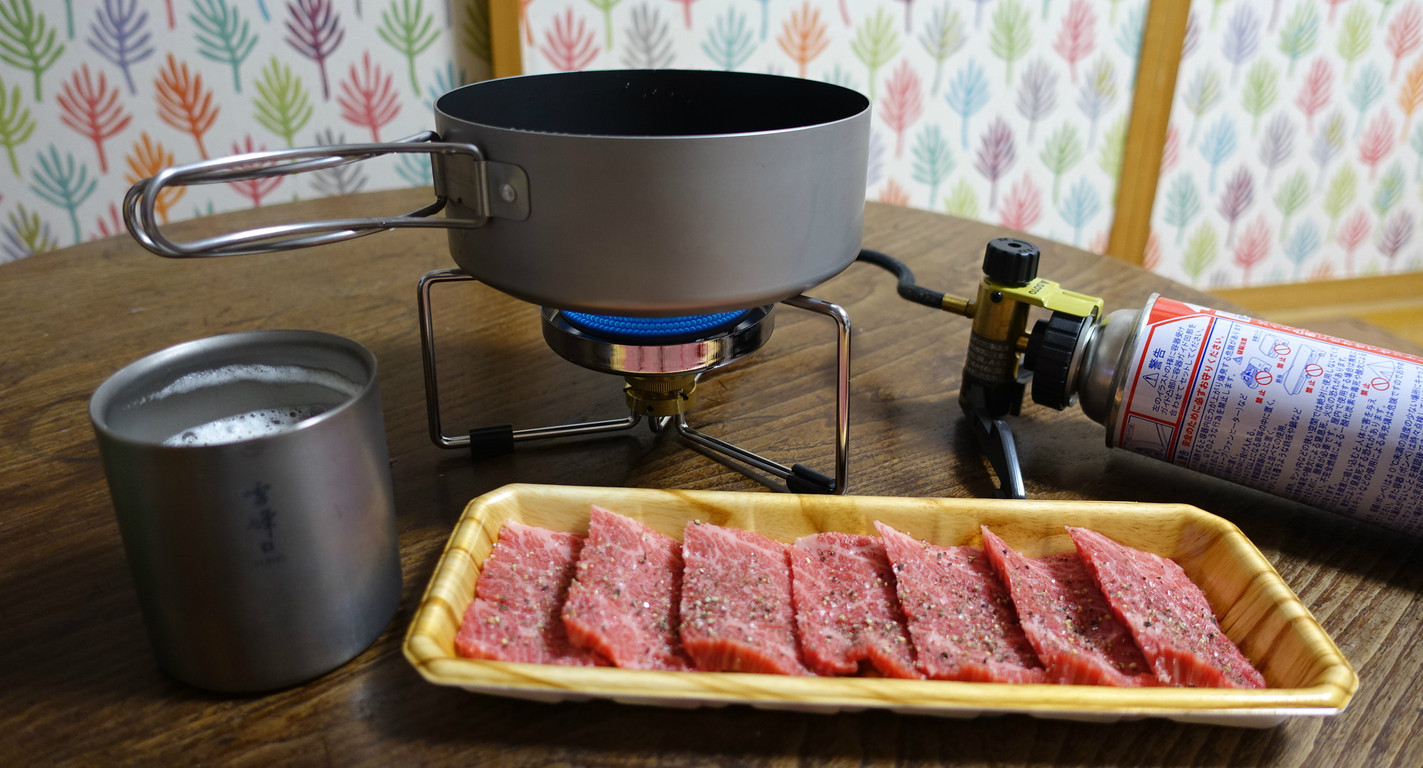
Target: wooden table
80	686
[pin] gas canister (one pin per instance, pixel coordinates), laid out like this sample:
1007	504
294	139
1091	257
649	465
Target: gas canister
1331	423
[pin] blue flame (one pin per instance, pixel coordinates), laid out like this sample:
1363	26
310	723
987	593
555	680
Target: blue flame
643	329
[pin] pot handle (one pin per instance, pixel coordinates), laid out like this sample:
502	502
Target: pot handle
461	175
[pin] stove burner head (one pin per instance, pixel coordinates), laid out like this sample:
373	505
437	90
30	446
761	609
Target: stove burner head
656	346
653	329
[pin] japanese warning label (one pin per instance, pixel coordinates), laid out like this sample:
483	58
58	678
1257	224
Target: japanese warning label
1332	423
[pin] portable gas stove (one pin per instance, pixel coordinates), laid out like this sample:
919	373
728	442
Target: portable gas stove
661	360
653	190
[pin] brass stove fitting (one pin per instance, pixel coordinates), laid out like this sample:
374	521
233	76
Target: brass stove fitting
660	396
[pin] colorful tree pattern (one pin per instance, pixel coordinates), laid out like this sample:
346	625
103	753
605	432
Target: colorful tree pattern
1327	89
902	103
368	97
146	159
16	123
803	37
92	110
184	102
1076	35
201	76
223	36
119	33
282	105
126	88
27	41
1323	182
315	31
568	44
406	27
1013	111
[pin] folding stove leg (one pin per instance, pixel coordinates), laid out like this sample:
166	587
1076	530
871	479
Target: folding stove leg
484	441
491	440
799	478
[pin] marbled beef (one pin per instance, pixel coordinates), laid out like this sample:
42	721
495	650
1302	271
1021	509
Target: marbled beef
736	602
624	600
515	613
846	610
960	618
1066	618
1168	615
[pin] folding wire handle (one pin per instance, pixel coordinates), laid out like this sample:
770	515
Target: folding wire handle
461	175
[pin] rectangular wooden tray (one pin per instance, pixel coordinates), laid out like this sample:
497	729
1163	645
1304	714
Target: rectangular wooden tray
1306	672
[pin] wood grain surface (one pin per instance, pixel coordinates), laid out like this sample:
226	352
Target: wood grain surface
81	687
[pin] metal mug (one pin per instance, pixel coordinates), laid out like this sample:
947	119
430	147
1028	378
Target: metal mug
251	480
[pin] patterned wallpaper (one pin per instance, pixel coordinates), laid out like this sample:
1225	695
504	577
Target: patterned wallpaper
1293	151
1292	154
1009	111
96	94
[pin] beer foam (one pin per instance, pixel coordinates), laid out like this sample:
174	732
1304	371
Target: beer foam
245	426
256	373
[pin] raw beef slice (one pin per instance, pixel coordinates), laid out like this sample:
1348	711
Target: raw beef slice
1168	615
846	611
623	602
515	613
736	602
960	618
1066	618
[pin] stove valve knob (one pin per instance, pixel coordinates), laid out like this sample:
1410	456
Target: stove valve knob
1054	355
1010	261
660	396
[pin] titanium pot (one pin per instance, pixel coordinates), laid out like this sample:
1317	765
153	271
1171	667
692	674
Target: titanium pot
643	192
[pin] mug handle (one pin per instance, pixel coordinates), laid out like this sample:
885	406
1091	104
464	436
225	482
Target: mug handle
461	176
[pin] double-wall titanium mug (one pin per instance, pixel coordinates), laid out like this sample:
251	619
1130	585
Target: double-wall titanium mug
251	480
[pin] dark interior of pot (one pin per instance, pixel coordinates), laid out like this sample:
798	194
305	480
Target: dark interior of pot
651	103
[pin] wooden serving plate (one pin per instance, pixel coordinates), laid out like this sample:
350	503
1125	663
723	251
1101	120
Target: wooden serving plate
1307	674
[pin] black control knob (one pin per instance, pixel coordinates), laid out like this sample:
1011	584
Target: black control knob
1011	261
1049	355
